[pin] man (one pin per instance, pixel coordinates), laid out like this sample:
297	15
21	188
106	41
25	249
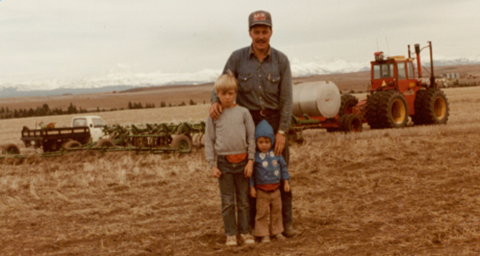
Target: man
265	88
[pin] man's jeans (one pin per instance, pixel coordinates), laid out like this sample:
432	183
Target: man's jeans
287	215
233	184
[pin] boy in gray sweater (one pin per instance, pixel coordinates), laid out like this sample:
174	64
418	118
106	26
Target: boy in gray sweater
231	139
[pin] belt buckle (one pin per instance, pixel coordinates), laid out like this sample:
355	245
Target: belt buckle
262	114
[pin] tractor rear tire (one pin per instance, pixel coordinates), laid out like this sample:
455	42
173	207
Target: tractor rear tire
371	110
182	143
392	110
435	109
348	102
418	118
105	143
71	144
10	149
351	123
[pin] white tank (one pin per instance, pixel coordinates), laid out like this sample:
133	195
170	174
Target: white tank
316	99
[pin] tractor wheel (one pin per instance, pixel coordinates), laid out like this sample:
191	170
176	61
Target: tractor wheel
371	111
182	143
351	123
105	143
10	149
435	109
392	110
347	104
418	118
71	144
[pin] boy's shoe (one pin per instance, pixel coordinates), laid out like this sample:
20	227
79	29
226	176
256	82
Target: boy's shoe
231	241
290	232
280	237
266	239
247	239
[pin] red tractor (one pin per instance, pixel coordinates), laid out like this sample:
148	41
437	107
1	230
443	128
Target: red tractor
398	91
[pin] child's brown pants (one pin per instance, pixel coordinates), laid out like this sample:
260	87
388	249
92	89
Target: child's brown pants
268	202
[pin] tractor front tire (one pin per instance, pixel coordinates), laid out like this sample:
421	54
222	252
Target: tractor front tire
351	123
182	143
435	109
371	110
392	110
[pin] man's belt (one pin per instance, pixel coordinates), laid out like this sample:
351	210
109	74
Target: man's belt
264	112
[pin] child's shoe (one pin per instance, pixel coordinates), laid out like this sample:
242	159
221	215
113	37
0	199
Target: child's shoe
280	237
247	239
266	239
231	241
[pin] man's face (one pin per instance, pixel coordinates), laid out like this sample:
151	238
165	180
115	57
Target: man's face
260	37
227	98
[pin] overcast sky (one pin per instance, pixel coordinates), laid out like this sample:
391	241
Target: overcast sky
69	40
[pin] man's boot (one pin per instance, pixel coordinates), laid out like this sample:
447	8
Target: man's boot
290	232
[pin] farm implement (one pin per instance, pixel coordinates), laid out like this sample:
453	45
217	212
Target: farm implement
158	138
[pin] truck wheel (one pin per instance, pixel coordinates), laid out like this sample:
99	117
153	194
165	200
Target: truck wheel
348	102
71	144
10	149
351	123
182	143
105	143
435	109
392	110
418	118
371	111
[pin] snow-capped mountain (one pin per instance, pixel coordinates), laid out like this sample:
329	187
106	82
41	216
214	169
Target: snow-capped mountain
120	80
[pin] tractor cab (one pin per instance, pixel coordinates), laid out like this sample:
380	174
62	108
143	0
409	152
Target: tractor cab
395	72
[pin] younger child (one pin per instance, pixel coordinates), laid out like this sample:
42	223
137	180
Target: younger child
269	171
231	139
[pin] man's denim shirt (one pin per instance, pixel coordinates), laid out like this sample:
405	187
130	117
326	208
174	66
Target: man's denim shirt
262	85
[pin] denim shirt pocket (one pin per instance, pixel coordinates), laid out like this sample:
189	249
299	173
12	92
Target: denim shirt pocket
272	84
245	83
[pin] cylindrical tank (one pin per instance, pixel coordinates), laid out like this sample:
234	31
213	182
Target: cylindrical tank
316	99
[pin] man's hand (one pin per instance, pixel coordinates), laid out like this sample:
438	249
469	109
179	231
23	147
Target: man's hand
248	169
216	173
279	143
253	192
286	187
215	110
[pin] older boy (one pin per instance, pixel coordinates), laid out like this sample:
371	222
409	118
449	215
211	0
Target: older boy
231	139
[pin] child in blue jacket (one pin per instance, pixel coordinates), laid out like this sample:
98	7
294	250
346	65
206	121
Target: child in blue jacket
268	172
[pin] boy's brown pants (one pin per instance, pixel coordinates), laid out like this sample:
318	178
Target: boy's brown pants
268	204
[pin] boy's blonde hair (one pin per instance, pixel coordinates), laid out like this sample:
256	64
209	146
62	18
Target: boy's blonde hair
226	82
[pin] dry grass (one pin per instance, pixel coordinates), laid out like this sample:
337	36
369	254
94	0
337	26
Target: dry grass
412	191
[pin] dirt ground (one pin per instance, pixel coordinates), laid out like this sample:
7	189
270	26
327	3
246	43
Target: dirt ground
411	191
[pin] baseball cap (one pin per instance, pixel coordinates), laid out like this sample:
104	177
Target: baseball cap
260	18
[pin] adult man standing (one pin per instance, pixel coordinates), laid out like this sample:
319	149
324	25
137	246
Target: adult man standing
265	88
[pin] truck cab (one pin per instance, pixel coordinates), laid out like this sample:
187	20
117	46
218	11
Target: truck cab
94	123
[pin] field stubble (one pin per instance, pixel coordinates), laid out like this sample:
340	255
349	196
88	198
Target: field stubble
412	191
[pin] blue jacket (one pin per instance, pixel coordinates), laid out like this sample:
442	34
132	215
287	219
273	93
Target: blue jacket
268	168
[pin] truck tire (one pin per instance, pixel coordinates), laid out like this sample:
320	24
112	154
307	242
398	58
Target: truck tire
435	109
371	111
105	143
392	110
182	143
71	144
348	102
10	149
350	123
418	118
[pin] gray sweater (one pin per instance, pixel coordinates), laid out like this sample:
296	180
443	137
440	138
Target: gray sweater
232	133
